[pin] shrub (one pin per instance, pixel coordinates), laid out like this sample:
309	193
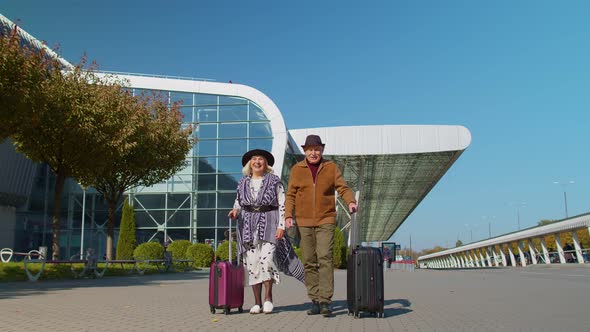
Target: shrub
126	242
340	255
178	248
149	250
222	252
201	254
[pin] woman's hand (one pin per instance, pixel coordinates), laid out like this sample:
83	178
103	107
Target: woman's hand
280	233
233	214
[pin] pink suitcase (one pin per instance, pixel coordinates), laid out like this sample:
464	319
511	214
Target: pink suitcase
226	284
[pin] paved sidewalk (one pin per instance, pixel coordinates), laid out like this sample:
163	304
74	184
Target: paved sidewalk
510	299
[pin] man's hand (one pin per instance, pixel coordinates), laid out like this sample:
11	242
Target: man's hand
352	207
280	233
289	222
233	214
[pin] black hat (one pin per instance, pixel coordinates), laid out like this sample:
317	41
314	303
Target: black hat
270	160
313	140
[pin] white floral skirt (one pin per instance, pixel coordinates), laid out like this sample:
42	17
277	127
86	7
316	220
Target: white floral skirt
259	259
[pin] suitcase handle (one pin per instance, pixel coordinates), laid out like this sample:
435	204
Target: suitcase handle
238	260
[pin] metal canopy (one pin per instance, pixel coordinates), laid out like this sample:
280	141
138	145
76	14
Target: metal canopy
393	166
393	185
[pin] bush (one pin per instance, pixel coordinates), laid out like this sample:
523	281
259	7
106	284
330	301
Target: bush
201	254
149	250
126	242
340	256
178	248
222	252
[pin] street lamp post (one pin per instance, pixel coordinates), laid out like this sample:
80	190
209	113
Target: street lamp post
83	221
489	219
518	206
564	185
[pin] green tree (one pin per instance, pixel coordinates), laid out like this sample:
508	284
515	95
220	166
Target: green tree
69	126
151	149
23	69
127	241
458	243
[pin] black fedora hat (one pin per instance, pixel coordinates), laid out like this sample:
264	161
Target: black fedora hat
313	140
270	160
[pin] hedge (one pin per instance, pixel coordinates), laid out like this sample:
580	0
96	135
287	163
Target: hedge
201	254
149	250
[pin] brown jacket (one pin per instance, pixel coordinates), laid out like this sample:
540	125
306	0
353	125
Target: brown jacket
314	204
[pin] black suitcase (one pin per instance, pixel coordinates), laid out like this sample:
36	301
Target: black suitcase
364	284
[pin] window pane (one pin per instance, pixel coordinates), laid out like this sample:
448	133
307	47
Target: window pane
225	200
178	234
226	100
207	182
233	130
206	218
232	147
176	201
203	99
149	202
260	130
206	234
229	181
207	148
186	98
207	165
187	114
206	200
179	218
265	144
223	220
207	131
256	113
233	113
230	164
206	114
148	218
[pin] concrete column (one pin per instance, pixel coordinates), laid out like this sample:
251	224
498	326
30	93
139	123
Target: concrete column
545	251
532	252
512	259
578	247
521	253
559	249
463	260
488	258
481	259
495	256
504	260
474	258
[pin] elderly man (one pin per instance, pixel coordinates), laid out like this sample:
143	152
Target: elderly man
310	199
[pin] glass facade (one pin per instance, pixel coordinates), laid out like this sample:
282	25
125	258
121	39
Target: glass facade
192	205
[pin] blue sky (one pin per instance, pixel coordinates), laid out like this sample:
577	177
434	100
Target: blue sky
515	74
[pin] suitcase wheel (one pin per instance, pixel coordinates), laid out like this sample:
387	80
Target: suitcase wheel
226	310
240	309
357	314
212	309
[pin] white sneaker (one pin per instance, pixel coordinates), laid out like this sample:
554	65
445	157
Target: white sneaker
267	307
255	309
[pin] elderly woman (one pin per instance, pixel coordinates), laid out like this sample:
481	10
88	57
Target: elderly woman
260	204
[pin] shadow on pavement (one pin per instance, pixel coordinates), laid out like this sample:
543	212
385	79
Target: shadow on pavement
394	307
26	288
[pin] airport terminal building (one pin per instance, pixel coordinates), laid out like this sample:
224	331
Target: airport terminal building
391	167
